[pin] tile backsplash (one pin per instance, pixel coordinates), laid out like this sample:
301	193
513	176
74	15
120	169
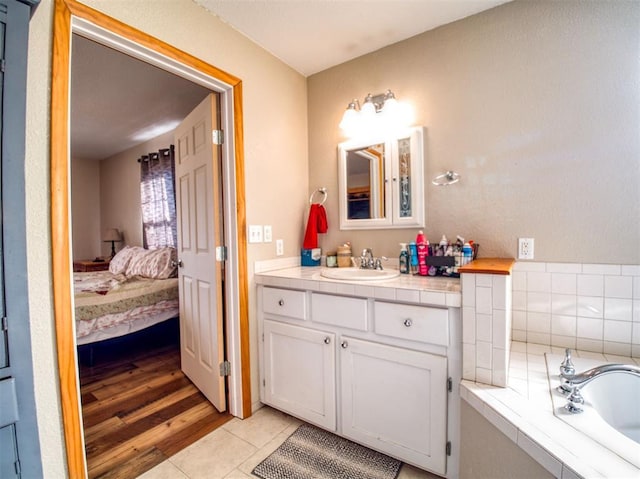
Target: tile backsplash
590	307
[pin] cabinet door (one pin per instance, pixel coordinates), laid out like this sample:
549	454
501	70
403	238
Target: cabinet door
300	372
407	178
395	400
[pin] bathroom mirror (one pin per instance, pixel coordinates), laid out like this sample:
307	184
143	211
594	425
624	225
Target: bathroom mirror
381	181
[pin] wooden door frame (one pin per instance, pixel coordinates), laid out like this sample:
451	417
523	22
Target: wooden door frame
66	12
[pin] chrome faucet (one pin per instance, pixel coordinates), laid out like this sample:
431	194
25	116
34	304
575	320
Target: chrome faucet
368	261
571	383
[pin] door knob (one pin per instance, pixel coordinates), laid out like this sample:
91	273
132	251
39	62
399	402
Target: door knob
327	340
344	345
178	263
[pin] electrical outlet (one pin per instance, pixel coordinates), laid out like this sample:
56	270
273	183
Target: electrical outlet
525	248
268	234
279	247
255	234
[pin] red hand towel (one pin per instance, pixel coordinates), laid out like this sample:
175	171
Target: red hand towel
317	223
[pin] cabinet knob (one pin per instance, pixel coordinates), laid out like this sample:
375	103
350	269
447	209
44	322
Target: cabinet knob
344	344
408	322
281	302
327	340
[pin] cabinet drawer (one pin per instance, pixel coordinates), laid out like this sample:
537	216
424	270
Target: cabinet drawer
339	311
415	323
284	302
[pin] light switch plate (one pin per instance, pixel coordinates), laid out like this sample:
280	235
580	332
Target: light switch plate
279	247
268	234
255	234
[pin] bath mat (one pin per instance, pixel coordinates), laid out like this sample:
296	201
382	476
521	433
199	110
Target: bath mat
312	453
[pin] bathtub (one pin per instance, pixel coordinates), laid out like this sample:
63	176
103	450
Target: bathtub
611	414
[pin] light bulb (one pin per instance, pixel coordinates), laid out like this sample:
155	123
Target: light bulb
350	117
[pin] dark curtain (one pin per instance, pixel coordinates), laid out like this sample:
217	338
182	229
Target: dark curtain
158	198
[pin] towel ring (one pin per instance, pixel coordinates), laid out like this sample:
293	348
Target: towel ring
322	190
446	179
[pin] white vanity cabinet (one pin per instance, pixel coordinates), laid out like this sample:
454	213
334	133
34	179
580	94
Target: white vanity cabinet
300	372
395	400
376	372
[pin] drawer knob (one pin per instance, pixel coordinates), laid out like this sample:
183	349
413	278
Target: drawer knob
327	340
344	344
281	302
408	322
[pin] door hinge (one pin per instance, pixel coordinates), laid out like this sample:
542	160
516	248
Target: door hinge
225	368
5	324
448	448
217	136
221	253
17	467
3	64
449	384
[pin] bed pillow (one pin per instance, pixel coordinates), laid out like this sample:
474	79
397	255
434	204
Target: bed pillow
120	261
155	264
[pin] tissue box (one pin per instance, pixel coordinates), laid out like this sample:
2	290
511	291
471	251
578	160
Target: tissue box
310	257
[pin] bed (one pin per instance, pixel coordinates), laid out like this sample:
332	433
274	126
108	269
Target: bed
139	290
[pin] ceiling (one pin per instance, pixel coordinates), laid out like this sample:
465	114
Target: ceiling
118	102
313	35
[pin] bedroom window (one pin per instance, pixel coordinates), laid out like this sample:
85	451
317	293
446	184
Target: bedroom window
158	199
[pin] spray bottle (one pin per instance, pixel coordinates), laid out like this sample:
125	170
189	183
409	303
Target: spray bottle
423	252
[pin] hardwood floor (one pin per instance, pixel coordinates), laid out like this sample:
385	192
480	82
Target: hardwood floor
137	405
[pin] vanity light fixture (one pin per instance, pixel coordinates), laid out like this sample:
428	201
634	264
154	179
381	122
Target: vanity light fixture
379	113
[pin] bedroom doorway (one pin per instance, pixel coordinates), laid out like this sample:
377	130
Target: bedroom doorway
72	17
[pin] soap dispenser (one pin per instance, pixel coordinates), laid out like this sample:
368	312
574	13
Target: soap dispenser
403	260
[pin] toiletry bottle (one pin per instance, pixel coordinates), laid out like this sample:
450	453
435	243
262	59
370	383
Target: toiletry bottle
423	252
413	257
403	260
344	255
467	254
443	245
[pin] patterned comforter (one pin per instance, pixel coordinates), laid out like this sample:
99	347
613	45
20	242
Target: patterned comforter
103	299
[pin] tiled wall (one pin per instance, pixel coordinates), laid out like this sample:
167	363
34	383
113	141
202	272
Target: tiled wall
590	307
486	327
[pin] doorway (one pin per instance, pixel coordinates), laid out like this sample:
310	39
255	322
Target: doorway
138	407
69	17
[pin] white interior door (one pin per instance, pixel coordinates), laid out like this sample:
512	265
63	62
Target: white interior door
199	232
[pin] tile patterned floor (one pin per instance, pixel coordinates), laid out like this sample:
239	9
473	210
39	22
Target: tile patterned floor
233	450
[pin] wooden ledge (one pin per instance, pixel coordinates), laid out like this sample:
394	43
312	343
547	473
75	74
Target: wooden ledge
489	266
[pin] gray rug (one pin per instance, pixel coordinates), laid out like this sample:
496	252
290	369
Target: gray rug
312	453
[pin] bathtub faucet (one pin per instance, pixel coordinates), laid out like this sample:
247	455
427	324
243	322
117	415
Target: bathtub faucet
571	383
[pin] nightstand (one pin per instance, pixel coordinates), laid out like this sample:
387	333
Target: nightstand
87	265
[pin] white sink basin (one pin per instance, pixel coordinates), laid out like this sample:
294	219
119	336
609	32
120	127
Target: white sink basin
357	274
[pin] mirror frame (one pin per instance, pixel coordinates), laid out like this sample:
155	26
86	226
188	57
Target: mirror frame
391	183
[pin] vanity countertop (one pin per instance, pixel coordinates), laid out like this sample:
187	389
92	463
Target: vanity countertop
405	288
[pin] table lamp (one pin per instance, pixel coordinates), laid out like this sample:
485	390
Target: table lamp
112	235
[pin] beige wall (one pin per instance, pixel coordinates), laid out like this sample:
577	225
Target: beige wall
535	104
275	134
85	209
120	191
486	452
